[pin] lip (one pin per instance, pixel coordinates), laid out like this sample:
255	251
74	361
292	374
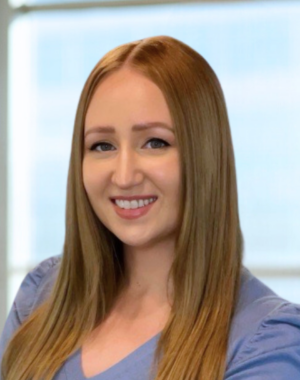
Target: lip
132	213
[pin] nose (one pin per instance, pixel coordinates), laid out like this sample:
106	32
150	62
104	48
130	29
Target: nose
127	170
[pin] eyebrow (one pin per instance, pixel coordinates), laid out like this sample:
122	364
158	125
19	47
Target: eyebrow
135	127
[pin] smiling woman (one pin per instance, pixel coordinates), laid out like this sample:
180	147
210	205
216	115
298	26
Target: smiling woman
151	283
131	169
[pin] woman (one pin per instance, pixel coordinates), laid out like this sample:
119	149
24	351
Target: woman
150	283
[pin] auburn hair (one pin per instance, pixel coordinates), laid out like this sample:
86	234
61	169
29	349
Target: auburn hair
208	254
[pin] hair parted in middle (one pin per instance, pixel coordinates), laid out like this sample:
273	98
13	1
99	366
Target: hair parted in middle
207	260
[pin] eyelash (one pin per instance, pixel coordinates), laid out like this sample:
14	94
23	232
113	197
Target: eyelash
94	146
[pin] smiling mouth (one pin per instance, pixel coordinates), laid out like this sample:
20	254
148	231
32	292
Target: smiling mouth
133	204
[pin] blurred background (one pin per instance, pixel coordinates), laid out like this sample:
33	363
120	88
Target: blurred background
47	50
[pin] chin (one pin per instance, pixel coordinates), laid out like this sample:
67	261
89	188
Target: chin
134	241
135	238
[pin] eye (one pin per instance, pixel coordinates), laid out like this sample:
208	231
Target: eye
156	143
102	147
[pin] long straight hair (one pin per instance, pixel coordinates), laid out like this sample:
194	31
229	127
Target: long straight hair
208	252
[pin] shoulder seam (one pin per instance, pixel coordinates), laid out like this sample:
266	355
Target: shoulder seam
45	266
271	351
255	335
51	263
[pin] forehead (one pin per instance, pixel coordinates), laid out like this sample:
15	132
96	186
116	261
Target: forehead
127	95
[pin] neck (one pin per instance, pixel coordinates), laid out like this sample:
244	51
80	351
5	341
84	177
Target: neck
147	272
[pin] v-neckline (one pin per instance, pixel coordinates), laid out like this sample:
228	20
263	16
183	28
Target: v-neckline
141	352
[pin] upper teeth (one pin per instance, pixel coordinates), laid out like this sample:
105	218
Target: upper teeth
134	204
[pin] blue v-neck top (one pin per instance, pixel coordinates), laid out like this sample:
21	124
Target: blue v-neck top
135	366
264	342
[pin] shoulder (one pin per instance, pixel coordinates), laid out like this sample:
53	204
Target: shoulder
265	334
36	287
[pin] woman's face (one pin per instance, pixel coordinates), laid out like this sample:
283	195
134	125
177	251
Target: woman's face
131	168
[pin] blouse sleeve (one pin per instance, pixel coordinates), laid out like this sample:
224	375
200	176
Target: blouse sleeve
273	352
33	291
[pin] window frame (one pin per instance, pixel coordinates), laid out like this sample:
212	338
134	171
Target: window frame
5	17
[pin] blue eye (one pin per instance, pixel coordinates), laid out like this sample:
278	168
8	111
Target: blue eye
102	147
156	143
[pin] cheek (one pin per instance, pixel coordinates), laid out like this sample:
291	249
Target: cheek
167	174
168	180
92	177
